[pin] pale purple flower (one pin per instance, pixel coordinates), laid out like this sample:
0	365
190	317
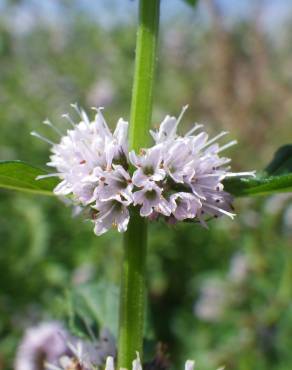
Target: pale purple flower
112	213
148	166
192	165
67	363
117	182
185	205
43	343
178	178
116	146
87	147
86	355
167	130
151	199
92	163
137	365
176	159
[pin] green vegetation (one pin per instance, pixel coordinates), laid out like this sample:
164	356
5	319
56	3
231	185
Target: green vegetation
233	78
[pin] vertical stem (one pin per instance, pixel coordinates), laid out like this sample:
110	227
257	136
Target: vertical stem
132	300
146	44
132	296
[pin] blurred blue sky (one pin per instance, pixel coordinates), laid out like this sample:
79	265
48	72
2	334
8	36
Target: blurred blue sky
108	12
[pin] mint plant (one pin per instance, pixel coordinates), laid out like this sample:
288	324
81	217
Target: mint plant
121	182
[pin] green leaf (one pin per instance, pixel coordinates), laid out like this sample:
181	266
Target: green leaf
264	185
191	2
282	161
276	178
18	175
96	303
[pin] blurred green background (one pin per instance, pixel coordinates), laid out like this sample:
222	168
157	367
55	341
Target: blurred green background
221	296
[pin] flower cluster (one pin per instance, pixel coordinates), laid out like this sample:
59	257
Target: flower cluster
178	178
79	362
44	342
49	345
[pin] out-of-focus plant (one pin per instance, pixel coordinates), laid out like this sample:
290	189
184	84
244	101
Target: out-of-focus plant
260	185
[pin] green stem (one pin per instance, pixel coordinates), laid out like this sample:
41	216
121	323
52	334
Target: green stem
132	296
132	301
146	45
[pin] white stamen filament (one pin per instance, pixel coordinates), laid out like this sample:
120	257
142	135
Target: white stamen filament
69	119
75	106
210	175
208	205
85	118
57	174
49	123
192	130
181	116
228	145
239	174
33	133
223	133
107	213
207	187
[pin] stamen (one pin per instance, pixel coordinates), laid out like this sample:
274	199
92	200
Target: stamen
98	110
210	175
40	177
33	133
228	145
77	351
224	161
117	178
81	113
181	116
232	215
49	123
99	113
106	213
223	133
85	117
198	195
192	130
69	119
239	174
75	106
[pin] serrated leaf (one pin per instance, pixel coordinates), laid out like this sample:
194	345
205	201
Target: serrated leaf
263	185
282	161
18	175
276	178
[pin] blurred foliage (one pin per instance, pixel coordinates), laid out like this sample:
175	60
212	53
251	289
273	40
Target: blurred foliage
235	78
